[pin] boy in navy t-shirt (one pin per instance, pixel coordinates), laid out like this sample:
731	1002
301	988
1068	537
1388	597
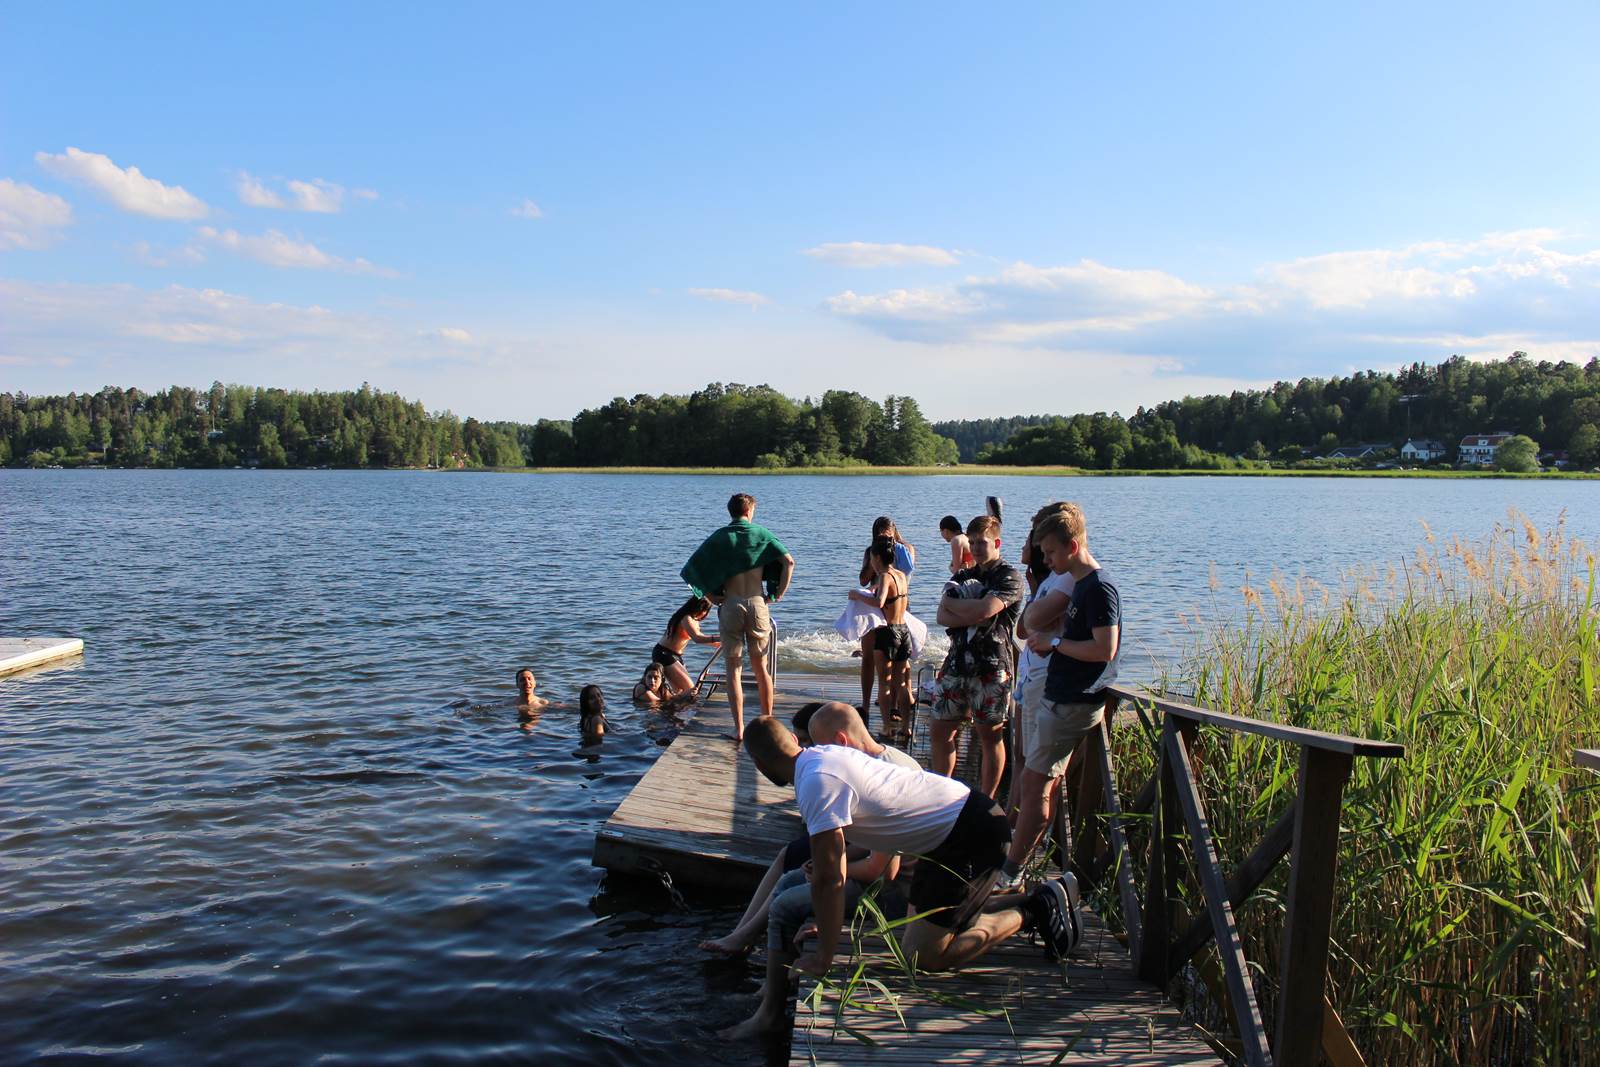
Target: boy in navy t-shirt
1082	662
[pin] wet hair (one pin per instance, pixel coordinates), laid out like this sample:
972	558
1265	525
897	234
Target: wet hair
984	526
951	523
882	550
653	668
517	678
695	605
802	721
591	701
740	504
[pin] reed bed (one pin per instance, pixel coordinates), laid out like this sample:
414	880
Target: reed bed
1467	930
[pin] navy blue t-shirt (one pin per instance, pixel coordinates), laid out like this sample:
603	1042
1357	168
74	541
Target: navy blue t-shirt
1095	603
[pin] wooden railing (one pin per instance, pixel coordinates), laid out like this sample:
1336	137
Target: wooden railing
1307	830
1588	757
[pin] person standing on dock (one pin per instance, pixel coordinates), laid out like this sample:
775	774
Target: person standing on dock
975	680
742	568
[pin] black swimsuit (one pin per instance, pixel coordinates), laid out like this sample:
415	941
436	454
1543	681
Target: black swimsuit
665	656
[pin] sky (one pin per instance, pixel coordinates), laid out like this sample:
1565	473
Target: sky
518	211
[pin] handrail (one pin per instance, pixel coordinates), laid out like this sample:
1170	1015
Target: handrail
1588	757
1354	746
1307	831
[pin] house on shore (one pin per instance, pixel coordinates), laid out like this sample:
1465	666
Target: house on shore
1419	450
1479	449
1357	451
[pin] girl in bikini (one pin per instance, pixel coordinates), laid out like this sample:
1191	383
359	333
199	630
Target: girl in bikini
683	627
891	642
904	559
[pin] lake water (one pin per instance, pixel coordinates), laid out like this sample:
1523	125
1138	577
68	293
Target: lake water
283	809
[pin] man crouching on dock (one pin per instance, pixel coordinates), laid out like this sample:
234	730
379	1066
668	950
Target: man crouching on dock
959	834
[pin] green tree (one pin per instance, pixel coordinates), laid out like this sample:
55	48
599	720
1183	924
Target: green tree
1583	448
1519	454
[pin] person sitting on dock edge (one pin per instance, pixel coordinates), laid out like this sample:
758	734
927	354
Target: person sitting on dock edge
959	834
742	567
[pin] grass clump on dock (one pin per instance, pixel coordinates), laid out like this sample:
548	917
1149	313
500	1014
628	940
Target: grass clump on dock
1466	929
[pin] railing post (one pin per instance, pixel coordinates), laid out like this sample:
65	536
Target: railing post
1088	824
1312	865
1161	886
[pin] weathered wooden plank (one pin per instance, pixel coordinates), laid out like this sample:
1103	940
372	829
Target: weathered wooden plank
1588	757
1309	917
20	653
1353	746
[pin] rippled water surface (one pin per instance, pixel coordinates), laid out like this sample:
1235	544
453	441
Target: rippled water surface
283	810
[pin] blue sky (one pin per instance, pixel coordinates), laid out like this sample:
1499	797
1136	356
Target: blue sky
516	212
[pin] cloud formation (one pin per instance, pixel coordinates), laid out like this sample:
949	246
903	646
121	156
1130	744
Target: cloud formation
1421	301
316	195
527	210
128	189
863	254
277	249
29	217
731	296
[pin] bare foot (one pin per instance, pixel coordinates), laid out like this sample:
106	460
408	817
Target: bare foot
726	947
753	1027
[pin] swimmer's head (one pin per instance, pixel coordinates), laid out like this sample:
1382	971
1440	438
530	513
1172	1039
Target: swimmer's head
526	683
652	677
592	711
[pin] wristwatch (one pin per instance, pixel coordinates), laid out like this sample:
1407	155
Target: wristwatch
1055	643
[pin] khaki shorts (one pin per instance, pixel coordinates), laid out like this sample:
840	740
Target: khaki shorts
744	619
1051	731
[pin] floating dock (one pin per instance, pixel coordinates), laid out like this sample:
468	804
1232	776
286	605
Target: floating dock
20	653
704	814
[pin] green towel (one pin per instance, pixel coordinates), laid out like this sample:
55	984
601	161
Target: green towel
737	547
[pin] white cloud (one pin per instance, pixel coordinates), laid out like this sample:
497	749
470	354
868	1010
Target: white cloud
454	334
317	195
527	210
364	194
277	249
731	296
128	189
30	217
151	256
864	254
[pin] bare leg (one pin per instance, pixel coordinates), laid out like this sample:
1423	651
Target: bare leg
678	678
942	738
758	663
774	996
937	949
1037	793
886	695
993	740
866	671
736	693
754	919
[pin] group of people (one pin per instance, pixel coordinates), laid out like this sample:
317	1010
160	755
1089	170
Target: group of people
591	705
1035	642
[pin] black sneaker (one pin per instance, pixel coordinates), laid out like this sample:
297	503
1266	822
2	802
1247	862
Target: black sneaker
1053	907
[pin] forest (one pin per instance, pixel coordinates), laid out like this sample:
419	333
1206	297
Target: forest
1293	424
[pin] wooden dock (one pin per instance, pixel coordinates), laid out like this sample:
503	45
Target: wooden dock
21	653
704	814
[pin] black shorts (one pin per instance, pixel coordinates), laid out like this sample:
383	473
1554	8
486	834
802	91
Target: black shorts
796	853
894	641
665	656
957	876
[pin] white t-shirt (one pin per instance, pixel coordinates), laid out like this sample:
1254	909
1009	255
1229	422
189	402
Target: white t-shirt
880	805
1030	661
899	757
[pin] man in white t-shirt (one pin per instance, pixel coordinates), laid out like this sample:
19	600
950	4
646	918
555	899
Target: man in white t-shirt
960	837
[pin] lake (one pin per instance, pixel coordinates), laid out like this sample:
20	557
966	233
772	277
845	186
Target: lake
284	809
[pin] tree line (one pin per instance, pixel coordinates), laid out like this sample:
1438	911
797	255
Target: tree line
1556	405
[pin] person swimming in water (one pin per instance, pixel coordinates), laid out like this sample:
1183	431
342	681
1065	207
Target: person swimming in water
526	684
652	690
682	628
592	713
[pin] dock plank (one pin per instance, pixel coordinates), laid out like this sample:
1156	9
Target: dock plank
21	653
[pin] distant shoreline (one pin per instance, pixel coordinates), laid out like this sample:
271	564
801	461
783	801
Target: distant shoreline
975	470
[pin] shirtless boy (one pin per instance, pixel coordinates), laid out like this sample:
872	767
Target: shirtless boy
526	684
960	547
742	568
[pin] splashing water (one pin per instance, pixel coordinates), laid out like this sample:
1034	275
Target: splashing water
825	651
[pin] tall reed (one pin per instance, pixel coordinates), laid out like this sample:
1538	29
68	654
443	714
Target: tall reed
1467	930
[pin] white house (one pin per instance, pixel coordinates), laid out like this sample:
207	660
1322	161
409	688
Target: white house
1479	448
1418	450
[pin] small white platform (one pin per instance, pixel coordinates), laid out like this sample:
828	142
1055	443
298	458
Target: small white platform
20	653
